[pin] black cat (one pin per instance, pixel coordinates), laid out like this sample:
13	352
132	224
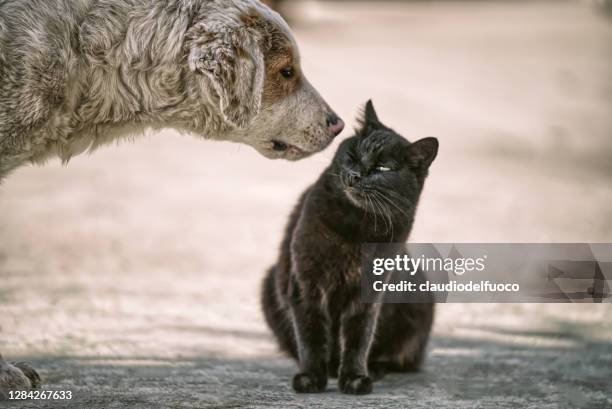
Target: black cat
311	297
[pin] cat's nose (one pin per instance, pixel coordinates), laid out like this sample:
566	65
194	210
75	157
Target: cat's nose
335	125
353	178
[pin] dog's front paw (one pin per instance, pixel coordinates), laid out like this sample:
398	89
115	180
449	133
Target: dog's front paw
30	373
17	377
308	382
355	384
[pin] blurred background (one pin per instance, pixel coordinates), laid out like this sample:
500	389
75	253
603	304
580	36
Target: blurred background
134	273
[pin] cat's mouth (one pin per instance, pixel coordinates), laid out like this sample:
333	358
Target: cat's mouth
357	197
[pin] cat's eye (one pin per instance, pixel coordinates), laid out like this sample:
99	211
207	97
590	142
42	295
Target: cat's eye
288	72
383	168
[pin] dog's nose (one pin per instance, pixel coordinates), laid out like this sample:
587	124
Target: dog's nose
335	125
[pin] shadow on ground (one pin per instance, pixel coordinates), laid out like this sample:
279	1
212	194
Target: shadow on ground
563	369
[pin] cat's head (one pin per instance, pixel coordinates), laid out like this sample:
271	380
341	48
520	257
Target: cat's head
380	171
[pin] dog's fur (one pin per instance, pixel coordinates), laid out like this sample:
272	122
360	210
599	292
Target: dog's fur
16	377
75	74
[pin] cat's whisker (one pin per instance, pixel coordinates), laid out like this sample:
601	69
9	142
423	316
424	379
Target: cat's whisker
391	223
370	205
379	211
384	212
391	192
369	199
374	211
395	195
387	210
390	201
389	214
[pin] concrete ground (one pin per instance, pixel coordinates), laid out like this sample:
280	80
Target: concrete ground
131	277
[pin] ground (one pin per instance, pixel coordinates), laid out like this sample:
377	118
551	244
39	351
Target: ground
131	277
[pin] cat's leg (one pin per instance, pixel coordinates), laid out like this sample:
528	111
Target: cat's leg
377	370
402	336
357	328
334	352
311	325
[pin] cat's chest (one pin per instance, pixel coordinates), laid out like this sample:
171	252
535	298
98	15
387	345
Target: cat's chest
326	257
342	270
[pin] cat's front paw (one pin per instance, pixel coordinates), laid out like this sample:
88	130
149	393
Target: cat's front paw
355	384
308	382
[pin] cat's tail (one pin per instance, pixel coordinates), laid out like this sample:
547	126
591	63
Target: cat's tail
277	316
268	299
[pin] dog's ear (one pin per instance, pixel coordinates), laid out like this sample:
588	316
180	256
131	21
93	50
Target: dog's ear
234	64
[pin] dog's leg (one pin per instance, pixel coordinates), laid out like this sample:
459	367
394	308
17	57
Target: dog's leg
17	377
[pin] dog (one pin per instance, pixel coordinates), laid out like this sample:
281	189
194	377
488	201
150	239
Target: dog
77	74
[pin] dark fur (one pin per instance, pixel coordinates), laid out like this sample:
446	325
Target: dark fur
311	297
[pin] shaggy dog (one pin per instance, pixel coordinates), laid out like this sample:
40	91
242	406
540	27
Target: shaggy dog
75	74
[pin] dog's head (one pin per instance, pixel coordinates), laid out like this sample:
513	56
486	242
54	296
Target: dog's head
248	57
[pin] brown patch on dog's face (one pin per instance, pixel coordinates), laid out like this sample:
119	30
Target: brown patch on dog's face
294	121
283	75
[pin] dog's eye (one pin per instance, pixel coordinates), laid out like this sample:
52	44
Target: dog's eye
383	168
279	146
288	72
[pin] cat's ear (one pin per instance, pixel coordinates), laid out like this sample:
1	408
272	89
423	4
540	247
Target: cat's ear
369	113
369	119
422	152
